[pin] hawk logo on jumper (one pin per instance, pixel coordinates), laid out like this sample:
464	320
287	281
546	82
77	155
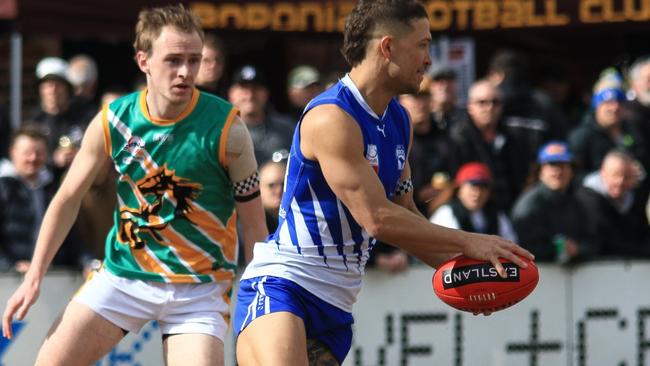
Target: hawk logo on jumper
476	273
400	154
134	145
373	157
159	189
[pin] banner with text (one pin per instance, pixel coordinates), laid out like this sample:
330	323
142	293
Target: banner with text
445	15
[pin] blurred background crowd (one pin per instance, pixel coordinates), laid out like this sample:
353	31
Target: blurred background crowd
516	149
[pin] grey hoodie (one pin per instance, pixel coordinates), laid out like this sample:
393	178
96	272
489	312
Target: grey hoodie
594	181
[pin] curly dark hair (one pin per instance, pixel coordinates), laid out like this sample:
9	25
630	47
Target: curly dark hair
369	15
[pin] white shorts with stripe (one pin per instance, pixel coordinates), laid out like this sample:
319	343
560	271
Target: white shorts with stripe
178	308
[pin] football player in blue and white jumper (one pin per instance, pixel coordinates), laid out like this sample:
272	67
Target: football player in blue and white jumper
347	185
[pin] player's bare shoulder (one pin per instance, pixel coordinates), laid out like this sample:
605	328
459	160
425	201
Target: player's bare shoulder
326	116
96	138
328	126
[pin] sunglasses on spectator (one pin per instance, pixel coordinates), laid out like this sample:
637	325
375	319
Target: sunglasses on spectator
486	102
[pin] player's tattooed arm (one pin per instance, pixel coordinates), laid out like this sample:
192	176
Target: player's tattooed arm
319	354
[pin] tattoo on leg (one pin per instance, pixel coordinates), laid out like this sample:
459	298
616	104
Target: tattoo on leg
319	354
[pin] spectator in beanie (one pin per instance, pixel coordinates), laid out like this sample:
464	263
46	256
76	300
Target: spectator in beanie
605	129
548	218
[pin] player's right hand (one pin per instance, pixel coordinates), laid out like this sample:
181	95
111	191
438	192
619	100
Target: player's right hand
492	247
19	304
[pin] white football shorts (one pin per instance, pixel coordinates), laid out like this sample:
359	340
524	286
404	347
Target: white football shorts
178	308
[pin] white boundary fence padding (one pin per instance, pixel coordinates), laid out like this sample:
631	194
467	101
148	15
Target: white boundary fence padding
590	315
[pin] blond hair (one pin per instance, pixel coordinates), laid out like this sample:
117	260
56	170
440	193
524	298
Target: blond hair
151	22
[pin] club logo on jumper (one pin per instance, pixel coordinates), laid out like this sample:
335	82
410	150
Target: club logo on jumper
159	189
163	138
372	156
400	154
134	145
477	273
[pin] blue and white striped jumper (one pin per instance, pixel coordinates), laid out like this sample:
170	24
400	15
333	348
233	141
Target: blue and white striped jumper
318	244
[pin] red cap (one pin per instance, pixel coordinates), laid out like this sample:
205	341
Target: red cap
474	172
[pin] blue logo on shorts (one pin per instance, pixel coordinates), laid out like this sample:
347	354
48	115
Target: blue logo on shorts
260	302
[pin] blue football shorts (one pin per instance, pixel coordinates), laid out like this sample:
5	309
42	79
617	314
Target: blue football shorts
324	322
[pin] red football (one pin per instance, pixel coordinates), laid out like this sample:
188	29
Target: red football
475	286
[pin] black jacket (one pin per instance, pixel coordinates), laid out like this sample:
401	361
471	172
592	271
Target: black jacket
430	153
274	134
506	158
463	216
19	224
71	123
541	214
590	143
530	117
639	117
619	232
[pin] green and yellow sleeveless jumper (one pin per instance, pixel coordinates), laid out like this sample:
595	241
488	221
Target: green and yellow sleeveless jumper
175	219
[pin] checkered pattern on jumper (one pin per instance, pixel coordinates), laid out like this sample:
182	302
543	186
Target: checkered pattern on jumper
244	187
404	187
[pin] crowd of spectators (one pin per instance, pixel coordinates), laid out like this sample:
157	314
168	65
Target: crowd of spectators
572	186
513	160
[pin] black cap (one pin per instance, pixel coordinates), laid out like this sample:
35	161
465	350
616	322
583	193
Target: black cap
248	74
442	72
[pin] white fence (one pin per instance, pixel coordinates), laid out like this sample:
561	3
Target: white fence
591	315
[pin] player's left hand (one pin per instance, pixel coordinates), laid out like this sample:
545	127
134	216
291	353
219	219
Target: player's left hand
19	304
